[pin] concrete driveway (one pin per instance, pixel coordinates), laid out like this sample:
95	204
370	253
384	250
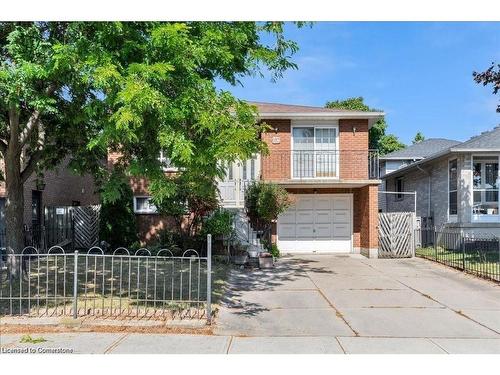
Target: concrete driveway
347	303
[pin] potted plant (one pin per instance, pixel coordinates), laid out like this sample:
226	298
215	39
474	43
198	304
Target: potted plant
239	255
266	260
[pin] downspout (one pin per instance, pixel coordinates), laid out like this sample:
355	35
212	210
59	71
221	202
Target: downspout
428	189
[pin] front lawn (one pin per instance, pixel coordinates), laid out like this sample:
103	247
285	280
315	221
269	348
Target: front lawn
478	262
118	286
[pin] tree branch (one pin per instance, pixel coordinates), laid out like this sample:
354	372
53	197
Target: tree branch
34	119
32	123
31	165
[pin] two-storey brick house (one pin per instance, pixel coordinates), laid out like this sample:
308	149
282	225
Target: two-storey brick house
321	157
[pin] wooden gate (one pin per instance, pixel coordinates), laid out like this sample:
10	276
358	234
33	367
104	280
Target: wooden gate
86	224
396	235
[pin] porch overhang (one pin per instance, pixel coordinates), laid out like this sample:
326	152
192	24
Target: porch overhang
324	183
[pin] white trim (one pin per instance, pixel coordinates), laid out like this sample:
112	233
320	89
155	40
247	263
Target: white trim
150	211
479	218
314	125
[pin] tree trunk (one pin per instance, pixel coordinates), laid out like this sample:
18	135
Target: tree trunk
14	208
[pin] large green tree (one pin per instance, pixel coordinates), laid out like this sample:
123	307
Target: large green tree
378	139
81	89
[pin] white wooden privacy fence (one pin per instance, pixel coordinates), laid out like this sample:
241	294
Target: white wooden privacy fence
120	284
396	231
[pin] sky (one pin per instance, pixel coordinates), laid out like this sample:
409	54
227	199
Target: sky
420	74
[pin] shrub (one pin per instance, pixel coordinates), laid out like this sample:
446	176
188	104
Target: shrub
266	201
274	251
117	219
220	223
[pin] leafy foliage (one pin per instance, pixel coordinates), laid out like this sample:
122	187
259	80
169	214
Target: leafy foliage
266	201
117	221
191	200
81	89
419	137
378	139
220	223
490	76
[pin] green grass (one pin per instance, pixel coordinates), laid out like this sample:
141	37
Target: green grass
485	264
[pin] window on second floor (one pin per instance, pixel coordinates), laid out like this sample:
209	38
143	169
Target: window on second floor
166	163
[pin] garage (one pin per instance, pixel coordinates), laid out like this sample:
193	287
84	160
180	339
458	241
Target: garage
320	223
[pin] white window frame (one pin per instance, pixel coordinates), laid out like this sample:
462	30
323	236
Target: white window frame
316	125
479	218
163	159
452	218
138	211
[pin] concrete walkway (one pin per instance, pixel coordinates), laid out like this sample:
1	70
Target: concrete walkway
328	304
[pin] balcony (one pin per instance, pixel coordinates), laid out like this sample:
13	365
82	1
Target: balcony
320	165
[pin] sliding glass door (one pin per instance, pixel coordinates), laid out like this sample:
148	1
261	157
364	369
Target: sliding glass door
314	152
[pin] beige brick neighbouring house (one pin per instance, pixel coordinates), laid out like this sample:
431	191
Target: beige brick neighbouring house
320	156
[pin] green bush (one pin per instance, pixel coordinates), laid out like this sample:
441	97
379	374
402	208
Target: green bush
274	251
266	201
220	223
117	219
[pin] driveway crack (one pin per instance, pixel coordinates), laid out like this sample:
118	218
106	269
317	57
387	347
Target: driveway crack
337	311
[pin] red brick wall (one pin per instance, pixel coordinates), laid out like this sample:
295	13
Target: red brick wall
353	152
366	217
353	149
276	165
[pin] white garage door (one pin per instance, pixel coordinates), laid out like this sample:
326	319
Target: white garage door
317	223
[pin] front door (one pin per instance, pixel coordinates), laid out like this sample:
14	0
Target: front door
36	208
238	175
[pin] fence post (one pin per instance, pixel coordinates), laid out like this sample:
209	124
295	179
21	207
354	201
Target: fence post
462	244
435	244
209	278
75	287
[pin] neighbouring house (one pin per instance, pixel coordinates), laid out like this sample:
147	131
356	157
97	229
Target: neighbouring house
321	157
456	182
58	187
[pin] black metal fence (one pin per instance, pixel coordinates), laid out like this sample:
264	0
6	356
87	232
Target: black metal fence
44	237
92	283
477	254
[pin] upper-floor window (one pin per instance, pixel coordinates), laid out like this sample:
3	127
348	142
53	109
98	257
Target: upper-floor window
485	180
144	205
399	187
452	187
166	163
314	152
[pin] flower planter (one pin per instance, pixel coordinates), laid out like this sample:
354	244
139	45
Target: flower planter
266	262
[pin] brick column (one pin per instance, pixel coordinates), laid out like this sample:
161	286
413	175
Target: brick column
366	220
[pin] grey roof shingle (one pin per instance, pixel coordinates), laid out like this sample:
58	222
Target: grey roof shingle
488	140
421	149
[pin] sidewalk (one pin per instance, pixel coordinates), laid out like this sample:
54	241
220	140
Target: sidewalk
135	343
